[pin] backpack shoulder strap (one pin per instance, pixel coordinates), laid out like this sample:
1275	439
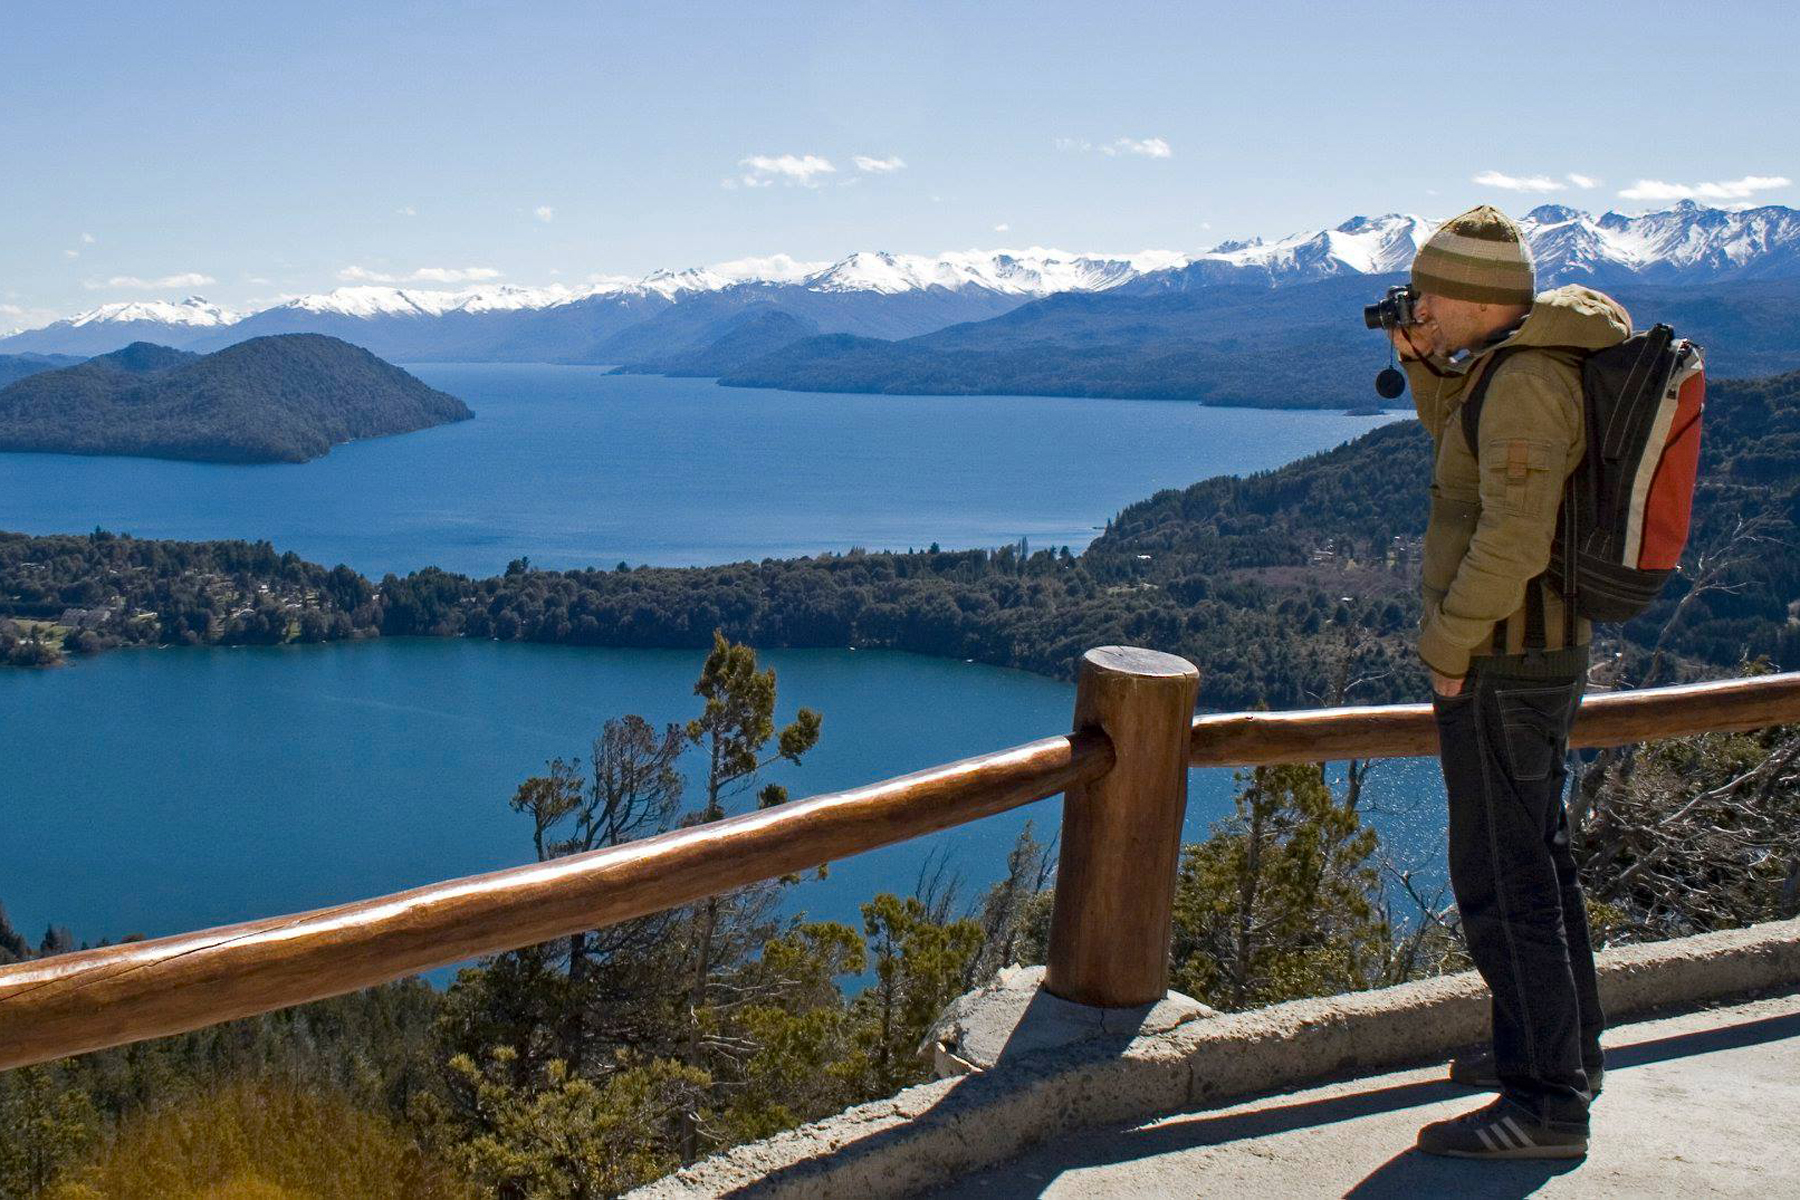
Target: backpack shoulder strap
1535	638
1471	405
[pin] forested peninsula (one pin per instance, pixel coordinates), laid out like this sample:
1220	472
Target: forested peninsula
284	398
1257	347
1285	587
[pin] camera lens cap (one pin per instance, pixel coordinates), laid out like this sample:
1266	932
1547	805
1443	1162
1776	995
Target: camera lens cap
1390	383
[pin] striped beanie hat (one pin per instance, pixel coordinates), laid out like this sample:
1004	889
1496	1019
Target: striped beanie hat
1480	256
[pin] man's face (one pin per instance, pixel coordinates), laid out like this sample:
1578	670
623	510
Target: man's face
1451	325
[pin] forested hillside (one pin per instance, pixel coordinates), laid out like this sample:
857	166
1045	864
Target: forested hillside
1302	346
1267	582
18	366
286	398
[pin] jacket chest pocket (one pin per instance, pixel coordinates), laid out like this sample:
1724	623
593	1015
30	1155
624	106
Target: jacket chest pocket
1516	477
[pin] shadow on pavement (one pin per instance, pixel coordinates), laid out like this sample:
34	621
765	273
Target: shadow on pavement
1407	1174
1705	1041
1099	1148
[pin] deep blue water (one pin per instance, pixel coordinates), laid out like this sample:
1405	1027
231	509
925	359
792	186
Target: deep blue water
161	790
574	467
154	791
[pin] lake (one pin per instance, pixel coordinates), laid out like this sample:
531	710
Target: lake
570	467
155	791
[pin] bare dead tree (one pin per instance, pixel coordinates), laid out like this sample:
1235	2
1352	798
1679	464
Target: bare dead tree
1699	836
631	789
1345	682
1715	569
1012	908
937	884
1433	945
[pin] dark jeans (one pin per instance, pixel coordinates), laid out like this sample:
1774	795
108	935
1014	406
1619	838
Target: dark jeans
1503	742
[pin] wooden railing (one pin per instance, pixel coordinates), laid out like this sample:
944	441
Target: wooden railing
1122	772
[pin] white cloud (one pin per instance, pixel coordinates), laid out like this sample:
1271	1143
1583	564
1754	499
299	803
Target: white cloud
1154	147
406	210
1148	147
880	166
1730	189
1518	183
71	254
14	317
355	274
183	280
782	267
1533	183
803	170
455	274
87	239
1003	227
544	213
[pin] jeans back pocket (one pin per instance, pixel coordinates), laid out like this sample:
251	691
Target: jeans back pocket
1534	723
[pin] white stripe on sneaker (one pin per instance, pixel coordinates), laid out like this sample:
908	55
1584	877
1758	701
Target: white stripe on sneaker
1489	1140
1512	1127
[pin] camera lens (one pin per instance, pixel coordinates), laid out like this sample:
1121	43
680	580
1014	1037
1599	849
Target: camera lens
1374	317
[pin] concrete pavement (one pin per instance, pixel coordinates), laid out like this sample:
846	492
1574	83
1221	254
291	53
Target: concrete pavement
1702	1104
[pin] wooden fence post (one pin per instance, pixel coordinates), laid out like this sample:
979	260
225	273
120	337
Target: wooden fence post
1121	834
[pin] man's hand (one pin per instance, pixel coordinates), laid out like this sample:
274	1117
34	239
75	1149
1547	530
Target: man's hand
1444	685
1404	345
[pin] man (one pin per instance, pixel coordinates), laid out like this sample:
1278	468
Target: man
1508	666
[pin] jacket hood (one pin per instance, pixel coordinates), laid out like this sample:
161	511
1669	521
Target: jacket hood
1573	316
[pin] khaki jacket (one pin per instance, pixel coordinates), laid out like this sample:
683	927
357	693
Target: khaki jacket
1491	526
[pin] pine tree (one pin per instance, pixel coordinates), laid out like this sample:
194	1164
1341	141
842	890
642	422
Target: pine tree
734	729
1283	900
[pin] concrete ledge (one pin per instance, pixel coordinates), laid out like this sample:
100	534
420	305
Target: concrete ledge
1013	1017
930	1134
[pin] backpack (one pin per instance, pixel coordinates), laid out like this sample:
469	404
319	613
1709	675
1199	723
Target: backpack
1627	504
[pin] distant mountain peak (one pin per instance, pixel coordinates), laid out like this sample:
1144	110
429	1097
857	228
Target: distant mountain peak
1553	214
194	310
1688	242
1685	243
142	358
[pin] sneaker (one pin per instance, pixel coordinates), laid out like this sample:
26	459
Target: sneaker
1477	1070
1501	1130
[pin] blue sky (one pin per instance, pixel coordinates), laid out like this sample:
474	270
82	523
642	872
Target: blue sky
275	148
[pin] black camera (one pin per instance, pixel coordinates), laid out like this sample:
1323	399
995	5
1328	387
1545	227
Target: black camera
1400	307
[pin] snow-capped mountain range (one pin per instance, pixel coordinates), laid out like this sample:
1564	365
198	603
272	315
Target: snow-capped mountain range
194	311
898	295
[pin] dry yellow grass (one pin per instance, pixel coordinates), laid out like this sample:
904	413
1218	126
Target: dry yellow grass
260	1141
